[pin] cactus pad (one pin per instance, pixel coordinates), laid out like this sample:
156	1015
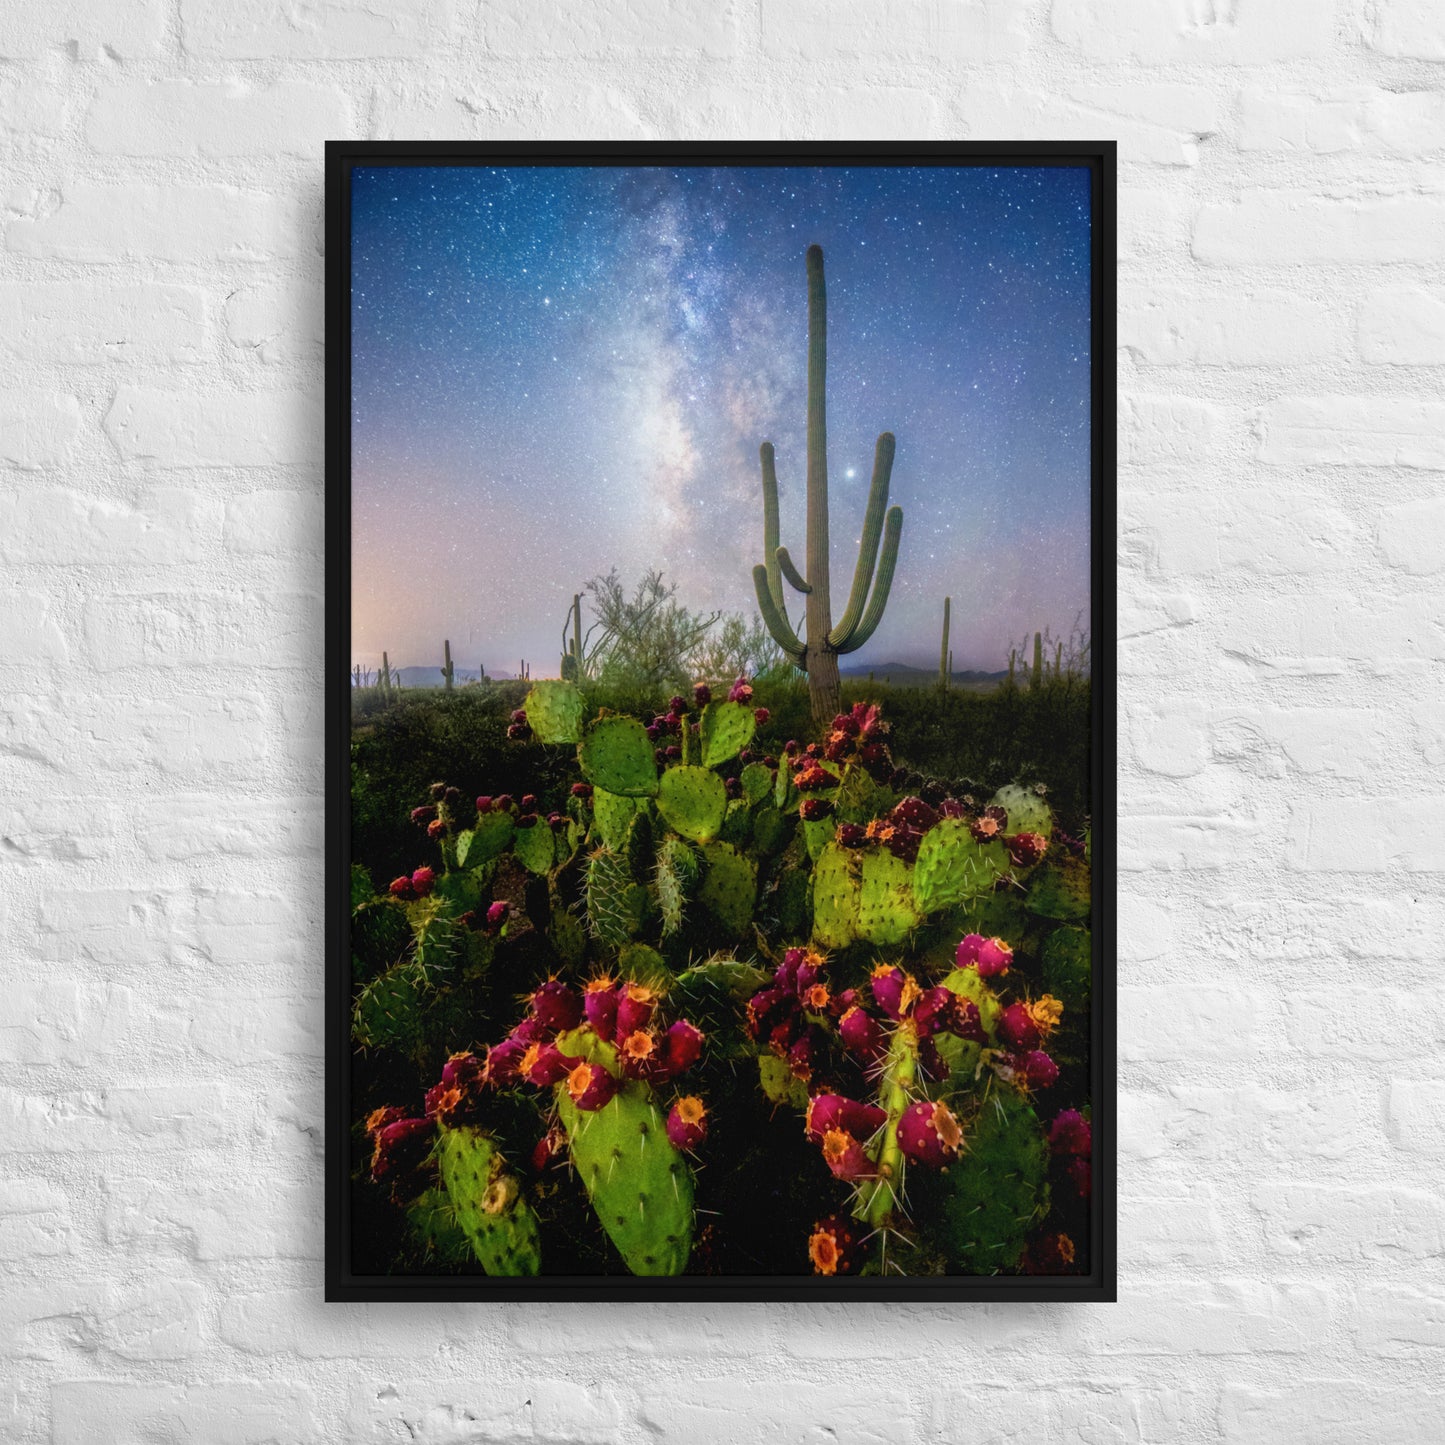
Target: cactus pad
1027	811
616	754
817	834
535	847
639	1185
614	910
488	840
554	712
967	984
693	802
779	1082
952	867
639	963
1069	967
887	912
725	729
379	935
1060	890
997	1188
756	781
566	933
835	897
387	1012
728	886
613	815
675	877
488	1203
771	829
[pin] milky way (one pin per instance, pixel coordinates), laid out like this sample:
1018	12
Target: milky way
560	370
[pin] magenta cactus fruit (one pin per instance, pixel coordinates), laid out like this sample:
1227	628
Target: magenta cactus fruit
701	694
636	1003
914	813
687	1123
682	1046
851	835
1017	1028
1080	1176
995	958
1070	1133
556	1005
526	820
581	790
811	776
1025	849
741	691
929	1133
504	1062
484	803
498	912
463	1071
814	810
453	795
639	1054
422	816
531	1030
765	1005
803	1052
422	881
833	1246
401	1147
435	830
401	888
761	716
599	1003
518	732
544	1064
844	1156
834	1111
1039	1070
935	1011
529	803
503	803
861	1033
893	990
590	1086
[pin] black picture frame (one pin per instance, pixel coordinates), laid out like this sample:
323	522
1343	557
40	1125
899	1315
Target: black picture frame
342	1283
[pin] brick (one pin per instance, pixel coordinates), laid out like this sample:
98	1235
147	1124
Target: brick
1326	834
829	1333
1322	1224
1146	928
35	1220
240	927
1329	633
1252	326
153	1320
82	323
104	1120
37	428
1160	843
816	31
1154	429
111	927
1153	225
64	1021
278	322
1386	431
326	30
1316	1023
35	828
1412	536
695	28
1402	326
718	1412
584	1329
499	106
1181	1233
31	634
103	1412
1245	32
215	429
1361	927
275	522
1335	1411
1410	29
221	824
107	224
62	527
494	1412
1102	1412
202	629
214	1215
1398	1323
182	118
1336	742
31	111
1341	119
1208	1024
1292	228
273	1027
1416	1108
126	29
296	1322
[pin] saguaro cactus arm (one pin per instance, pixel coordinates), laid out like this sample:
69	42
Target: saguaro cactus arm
841	636
882	583
775	619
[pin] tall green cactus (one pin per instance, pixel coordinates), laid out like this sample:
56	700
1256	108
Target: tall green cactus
818	656
945	662
572	670
1036	673
448	672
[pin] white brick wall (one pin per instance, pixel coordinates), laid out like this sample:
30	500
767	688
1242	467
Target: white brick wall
1282	849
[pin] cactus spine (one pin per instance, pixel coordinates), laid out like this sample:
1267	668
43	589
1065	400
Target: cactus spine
818	656
448	672
945	659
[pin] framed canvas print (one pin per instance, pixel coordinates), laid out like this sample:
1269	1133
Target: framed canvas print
720	721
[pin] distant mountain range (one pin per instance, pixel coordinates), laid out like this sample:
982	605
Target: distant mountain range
900	674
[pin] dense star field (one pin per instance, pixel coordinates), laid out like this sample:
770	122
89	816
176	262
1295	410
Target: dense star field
559	370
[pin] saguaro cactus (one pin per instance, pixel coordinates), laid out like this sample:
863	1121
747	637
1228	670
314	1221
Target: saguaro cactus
945	659
448	672
1036	673
818	655
572	654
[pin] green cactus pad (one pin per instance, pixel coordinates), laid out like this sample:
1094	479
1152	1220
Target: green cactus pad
1069	967
996	1189
793	900
616	754
887	912
488	840
771	829
535	847
638	848
860	799
614	911
1060	890
757	782
779	1082
567	934
729	886
387	1012
639	1185
740	979
785	795
693	802
1027	811
835	897
612	815
725	729
967	983
817	834
952	867
554	712
488	1203
379	935
362	887
675	878
737	827
434	1224
640	963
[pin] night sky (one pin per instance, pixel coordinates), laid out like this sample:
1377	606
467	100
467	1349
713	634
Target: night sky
561	370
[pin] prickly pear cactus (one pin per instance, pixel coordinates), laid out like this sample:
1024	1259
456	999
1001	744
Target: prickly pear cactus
887	912
613	815
1060	890
1027	811
614	911
488	1203
489	839
616	754
677	871
729	885
535	847
1068	966
835	897
693	802
951	867
554	712
725	729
